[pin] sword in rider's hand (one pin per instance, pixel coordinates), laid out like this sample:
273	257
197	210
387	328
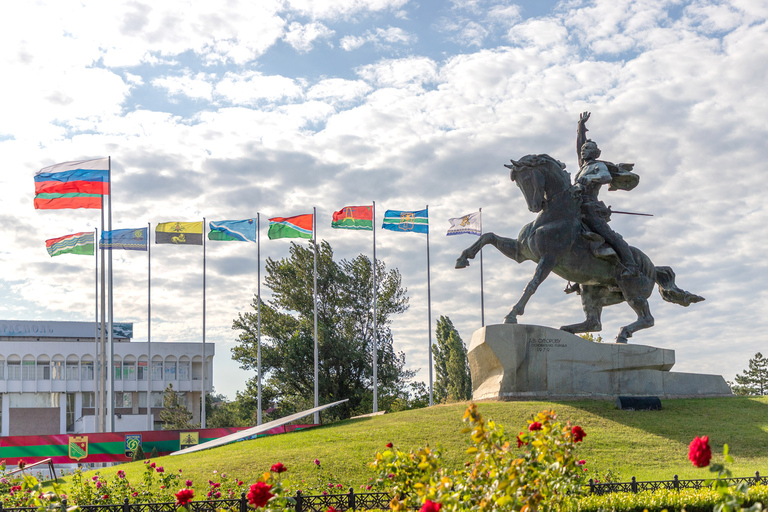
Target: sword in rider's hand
631	213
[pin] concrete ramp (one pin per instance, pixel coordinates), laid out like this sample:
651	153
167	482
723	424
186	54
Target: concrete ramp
244	434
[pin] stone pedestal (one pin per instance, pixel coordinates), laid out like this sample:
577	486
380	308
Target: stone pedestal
528	361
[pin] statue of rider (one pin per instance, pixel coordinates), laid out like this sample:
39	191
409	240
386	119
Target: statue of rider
592	175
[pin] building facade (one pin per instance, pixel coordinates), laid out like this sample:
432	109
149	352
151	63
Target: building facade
49	375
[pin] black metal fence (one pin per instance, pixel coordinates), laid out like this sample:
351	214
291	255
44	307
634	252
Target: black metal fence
379	500
304	503
675	484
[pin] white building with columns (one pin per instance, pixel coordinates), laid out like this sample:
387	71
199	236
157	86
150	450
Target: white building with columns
48	377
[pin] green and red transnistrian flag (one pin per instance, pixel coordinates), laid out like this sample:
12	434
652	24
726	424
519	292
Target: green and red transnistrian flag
299	226
77	243
354	217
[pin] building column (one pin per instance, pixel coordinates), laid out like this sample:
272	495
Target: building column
62	413
6	416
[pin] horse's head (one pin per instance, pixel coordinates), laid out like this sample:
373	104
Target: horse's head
531	174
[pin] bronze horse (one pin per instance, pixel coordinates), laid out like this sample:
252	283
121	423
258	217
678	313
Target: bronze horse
558	242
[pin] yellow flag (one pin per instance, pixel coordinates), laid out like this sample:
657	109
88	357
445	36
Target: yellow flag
179	233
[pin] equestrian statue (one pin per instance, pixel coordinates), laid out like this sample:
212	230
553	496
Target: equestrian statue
571	237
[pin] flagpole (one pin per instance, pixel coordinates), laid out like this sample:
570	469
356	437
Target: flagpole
149	331
96	322
202	399
482	299
101	408
375	331
314	237
258	315
110	334
429	313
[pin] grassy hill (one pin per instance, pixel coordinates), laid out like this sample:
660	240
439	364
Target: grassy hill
650	445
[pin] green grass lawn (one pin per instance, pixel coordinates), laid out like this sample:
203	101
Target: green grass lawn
649	445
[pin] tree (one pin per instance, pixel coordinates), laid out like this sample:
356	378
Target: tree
138	454
453	382
753	380
345	332
175	415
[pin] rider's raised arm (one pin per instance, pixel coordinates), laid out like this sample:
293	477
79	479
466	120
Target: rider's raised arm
581	135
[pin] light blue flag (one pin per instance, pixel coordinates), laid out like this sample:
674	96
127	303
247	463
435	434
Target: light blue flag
128	239
233	230
406	221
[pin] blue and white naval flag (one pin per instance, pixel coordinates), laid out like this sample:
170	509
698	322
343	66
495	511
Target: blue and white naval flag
467	225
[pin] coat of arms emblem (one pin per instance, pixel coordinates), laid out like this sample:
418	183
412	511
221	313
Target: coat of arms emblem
78	447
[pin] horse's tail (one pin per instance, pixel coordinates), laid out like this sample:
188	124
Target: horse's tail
665	278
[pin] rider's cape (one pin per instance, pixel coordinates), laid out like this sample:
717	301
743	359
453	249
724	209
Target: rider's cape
622	176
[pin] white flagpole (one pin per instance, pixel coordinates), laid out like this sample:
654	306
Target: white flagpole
95	325
429	313
375	331
101	419
110	334
482	299
149	332
258	316
202	396
314	236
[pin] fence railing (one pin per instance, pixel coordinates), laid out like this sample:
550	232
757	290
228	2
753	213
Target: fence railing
304	503
673	485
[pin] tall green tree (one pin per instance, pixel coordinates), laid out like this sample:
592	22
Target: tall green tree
175	415
345	333
453	382
753	380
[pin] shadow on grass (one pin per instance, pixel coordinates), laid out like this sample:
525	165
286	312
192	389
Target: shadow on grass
741	422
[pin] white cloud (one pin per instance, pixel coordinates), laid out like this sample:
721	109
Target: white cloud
328	9
400	72
251	87
301	37
381	37
198	87
338	89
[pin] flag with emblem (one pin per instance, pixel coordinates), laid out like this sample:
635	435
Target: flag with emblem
406	221
128	239
354	217
78	447
179	233
232	230
470	224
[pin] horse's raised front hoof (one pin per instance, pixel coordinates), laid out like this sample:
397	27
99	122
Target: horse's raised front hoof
510	319
462	262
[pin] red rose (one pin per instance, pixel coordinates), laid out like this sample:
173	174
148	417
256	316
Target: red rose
520	442
534	426
22	464
153	465
389	445
184	496
430	506
578	434
332	509
259	494
278	468
699	451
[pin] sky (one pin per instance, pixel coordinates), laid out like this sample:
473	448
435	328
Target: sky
224	110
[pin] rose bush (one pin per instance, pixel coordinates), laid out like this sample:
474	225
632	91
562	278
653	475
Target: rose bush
544	476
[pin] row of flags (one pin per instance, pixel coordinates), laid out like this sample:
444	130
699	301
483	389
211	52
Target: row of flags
300	226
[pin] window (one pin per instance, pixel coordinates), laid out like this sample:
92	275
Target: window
141	371
14	370
89	399
86	370
2	370
27	370
127	400
142	398
183	370
157	398
170	370
57	370
157	370
118	368
43	371
26	400
129	371
70	412
73	370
